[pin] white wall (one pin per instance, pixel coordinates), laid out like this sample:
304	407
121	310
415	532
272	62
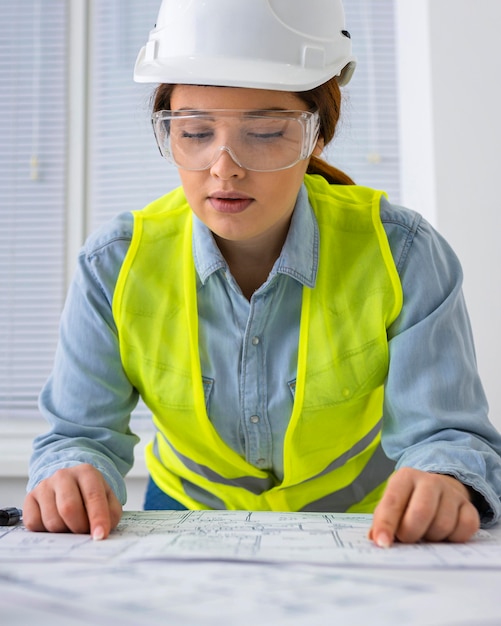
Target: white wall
450	55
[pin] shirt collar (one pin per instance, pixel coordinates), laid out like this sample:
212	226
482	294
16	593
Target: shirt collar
299	256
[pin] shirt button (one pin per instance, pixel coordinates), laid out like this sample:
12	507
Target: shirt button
254	419
346	392
255	341
260	462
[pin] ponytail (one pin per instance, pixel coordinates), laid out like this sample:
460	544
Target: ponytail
332	174
326	99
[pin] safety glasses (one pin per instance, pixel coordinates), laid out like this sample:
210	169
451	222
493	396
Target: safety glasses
261	141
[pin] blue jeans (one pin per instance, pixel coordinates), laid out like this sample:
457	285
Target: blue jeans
157	500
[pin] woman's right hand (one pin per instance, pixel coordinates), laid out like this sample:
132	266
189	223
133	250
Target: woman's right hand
75	499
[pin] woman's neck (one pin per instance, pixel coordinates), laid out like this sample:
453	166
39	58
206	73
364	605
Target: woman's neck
251	261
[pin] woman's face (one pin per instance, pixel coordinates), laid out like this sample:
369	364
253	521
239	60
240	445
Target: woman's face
236	204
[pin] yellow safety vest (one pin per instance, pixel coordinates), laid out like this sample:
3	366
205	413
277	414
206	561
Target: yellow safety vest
333	459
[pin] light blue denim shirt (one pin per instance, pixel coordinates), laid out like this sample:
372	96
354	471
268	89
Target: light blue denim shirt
435	411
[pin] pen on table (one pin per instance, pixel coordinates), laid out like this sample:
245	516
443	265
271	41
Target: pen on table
10	516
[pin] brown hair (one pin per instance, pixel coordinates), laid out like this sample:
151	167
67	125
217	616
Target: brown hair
325	98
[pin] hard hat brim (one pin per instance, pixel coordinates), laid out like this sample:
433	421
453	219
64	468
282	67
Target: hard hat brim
226	72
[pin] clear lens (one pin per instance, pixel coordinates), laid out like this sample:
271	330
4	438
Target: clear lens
262	141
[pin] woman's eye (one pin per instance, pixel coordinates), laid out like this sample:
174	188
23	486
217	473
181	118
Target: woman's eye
269	131
267	135
199	136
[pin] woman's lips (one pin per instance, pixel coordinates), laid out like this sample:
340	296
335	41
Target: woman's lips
228	202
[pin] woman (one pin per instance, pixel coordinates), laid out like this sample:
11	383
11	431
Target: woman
302	343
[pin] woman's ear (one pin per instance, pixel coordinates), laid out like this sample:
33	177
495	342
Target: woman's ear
319	146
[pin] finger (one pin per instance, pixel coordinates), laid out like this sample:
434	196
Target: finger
115	508
32	517
69	504
421	511
456	519
391	508
445	516
93	488
457	525
468	524
42	512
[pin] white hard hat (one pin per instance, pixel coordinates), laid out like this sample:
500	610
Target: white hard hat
289	45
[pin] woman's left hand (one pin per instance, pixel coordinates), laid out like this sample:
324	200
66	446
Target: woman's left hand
420	505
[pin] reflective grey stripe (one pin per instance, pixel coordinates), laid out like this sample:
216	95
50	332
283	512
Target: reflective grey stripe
377	470
255	485
203	496
360	446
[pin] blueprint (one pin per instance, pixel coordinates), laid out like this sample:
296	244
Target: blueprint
204	568
307	538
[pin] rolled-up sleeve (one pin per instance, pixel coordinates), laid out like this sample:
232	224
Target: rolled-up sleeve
436	412
88	399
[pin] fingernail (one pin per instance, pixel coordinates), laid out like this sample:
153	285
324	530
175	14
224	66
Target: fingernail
383	540
98	533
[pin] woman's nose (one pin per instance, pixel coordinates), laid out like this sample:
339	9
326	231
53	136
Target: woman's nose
225	164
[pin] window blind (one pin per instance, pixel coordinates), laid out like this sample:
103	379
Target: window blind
366	144
32	186
126	171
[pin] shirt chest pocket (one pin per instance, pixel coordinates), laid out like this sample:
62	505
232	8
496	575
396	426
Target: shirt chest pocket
346	378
